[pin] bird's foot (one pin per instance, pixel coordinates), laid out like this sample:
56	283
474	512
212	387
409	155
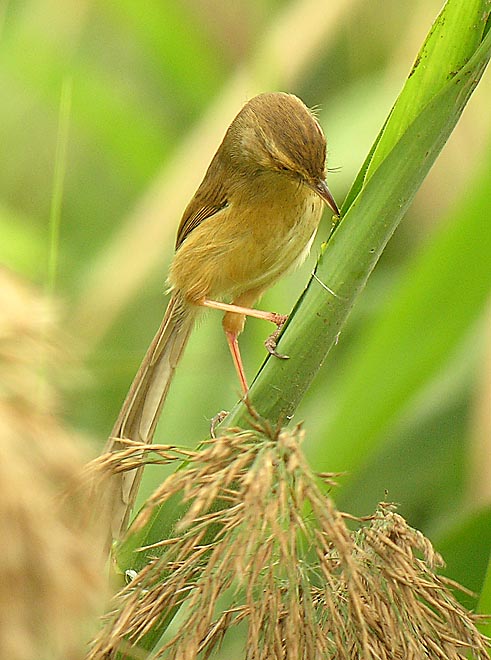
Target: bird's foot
270	343
278	319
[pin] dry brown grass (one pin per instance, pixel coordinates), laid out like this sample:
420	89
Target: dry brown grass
51	575
261	544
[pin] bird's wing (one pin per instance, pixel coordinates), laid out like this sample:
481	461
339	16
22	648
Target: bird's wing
210	198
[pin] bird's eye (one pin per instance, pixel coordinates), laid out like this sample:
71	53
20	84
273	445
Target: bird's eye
283	168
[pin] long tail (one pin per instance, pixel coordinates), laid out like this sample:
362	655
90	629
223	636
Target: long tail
140	411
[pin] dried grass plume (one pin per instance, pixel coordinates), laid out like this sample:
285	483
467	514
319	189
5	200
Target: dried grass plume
51	577
261	546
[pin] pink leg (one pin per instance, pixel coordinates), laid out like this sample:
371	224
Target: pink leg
277	319
233	344
233	323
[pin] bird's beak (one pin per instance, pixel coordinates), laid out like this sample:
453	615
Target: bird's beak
320	187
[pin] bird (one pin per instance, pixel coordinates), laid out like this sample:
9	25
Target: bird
252	219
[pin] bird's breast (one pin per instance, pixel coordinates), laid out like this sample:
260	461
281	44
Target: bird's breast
265	230
275	233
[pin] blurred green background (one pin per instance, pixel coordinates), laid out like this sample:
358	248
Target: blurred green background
149	90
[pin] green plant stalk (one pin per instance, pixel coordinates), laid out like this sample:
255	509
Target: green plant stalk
425	80
372	212
430	311
355	248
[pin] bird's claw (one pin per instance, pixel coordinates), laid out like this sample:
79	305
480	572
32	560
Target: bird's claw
270	344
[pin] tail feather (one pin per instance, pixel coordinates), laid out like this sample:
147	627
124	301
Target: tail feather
140	411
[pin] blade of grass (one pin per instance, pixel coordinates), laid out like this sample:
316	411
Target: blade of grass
58	184
55	217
